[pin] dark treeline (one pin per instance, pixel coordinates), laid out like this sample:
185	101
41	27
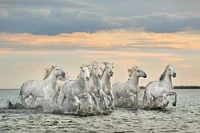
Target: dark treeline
180	87
186	87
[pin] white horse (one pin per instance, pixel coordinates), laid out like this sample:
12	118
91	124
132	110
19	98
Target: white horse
72	91
130	88
161	88
106	82
95	85
41	89
60	79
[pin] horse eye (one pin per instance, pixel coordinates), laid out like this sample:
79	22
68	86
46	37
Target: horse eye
83	71
138	70
57	69
113	67
94	68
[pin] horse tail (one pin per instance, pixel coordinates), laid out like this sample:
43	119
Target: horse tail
20	93
144	100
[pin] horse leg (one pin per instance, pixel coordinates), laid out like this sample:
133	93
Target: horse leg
175	100
147	100
33	101
89	99
130	94
77	101
112	101
23	99
95	101
136	100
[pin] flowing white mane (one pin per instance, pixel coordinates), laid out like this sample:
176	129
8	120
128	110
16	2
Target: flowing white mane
132	71
48	71
164	73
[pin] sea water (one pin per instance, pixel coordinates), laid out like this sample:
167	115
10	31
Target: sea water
185	117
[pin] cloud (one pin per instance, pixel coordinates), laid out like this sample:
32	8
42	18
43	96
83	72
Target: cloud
113	40
46	4
72	18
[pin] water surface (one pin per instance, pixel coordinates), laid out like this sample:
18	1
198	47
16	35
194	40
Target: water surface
185	117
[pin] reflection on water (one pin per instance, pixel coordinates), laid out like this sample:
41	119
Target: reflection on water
184	118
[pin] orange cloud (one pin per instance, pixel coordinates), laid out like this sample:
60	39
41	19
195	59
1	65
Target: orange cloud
174	59
108	39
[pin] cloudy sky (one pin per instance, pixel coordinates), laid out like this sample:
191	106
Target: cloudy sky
35	34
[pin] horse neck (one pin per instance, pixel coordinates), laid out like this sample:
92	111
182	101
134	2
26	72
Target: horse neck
133	81
95	80
106	80
52	79
82	83
167	81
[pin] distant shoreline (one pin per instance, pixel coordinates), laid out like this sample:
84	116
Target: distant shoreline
141	87
180	87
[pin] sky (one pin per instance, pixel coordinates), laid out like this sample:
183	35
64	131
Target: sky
35	34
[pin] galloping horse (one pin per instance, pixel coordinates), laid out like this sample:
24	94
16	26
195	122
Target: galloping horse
130	88
42	89
161	88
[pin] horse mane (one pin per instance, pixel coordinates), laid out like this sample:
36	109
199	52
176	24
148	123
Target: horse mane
48	72
164	73
103	71
133	70
162	76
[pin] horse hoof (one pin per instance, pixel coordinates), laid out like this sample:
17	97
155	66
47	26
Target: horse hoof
174	104
113	108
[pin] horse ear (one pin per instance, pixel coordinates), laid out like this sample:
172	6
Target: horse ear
105	63
53	66
81	67
129	72
88	66
113	63
168	65
47	70
94	62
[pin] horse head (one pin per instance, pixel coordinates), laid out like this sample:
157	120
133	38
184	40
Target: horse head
85	72
137	71
96	69
58	72
108	68
170	70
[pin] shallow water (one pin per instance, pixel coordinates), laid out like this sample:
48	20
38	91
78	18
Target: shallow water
185	117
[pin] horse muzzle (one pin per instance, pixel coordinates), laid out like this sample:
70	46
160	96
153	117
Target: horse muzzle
87	78
99	76
174	75
145	75
63	74
111	74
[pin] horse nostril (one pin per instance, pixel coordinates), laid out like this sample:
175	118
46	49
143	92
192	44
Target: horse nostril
174	75
111	73
87	78
99	75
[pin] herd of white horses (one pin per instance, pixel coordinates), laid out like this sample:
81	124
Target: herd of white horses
93	90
